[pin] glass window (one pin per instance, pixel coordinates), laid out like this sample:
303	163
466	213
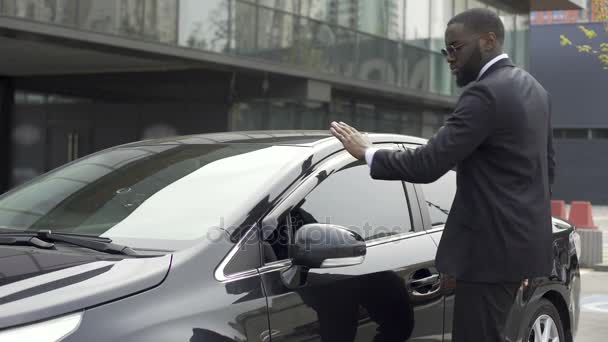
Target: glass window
154	19
394	59
431	122
131	18
290	6
313	44
493	9
389	121
344	13
342	110
347	199
509	23
522	33
571	133
416	68
411	123
275	36
441	77
399	33
36	10
98	16
599	133
365	117
460	6
439	196
476	4
313	115
204	24
441	13
60	12
160	20
282	115
243	28
373	63
417	24
7	7
343	55
248	257
378	17
250	115
316	9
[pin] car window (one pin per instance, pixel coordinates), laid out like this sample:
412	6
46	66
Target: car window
439	196
248	255
348	198
352	199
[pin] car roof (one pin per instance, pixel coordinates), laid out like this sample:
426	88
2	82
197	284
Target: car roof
304	138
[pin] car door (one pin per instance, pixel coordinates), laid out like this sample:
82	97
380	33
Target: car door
435	201
394	295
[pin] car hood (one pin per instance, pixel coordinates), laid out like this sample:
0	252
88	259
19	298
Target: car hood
38	284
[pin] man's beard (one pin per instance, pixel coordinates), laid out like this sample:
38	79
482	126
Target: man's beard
470	71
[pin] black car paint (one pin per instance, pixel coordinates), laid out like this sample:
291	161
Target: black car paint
194	302
61	282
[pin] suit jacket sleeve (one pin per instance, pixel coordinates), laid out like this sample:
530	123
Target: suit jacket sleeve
465	129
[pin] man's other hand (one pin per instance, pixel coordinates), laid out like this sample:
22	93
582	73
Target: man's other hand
354	142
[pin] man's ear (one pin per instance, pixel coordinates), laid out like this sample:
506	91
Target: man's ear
490	42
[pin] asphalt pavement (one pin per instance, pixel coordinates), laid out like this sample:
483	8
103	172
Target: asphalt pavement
593	324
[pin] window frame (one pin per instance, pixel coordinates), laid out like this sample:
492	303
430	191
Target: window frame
421	202
335	162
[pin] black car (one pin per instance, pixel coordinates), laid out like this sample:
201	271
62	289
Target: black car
250	236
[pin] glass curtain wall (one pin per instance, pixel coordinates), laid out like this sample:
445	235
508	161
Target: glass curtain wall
394	42
371	116
389	42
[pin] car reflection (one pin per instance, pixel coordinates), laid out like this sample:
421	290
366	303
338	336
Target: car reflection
375	305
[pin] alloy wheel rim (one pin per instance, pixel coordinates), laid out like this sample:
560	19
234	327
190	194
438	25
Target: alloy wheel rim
544	329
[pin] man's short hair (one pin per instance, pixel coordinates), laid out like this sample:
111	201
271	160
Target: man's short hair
481	20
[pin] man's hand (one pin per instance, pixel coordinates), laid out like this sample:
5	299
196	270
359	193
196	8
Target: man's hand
354	142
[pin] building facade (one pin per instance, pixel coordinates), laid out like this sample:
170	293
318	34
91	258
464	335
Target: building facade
558	17
595	11
577	84
77	76
589	13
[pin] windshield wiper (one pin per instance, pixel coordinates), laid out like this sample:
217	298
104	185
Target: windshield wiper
45	239
25	240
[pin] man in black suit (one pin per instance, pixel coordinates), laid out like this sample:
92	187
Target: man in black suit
498	233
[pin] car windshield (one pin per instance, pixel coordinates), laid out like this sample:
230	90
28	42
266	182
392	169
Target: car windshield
149	196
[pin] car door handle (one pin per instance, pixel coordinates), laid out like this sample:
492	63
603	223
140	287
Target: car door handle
431	280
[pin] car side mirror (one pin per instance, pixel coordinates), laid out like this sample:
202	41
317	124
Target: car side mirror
327	245
322	246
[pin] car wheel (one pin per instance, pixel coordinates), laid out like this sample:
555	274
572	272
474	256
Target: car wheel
544	323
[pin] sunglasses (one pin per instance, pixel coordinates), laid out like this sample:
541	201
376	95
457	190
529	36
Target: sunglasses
452	49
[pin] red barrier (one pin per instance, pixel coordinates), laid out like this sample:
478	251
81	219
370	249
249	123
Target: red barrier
581	215
558	209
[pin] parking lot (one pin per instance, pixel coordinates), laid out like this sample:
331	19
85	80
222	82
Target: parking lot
593	326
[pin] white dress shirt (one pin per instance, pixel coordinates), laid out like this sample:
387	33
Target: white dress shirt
490	63
369	153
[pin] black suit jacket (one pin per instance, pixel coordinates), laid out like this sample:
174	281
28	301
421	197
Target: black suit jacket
499	139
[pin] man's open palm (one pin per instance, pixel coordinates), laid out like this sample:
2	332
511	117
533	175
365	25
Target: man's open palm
354	142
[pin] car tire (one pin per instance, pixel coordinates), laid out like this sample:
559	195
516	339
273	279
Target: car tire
543	318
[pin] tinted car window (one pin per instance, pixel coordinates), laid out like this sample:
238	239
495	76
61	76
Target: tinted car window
439	196
352	199
248	255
